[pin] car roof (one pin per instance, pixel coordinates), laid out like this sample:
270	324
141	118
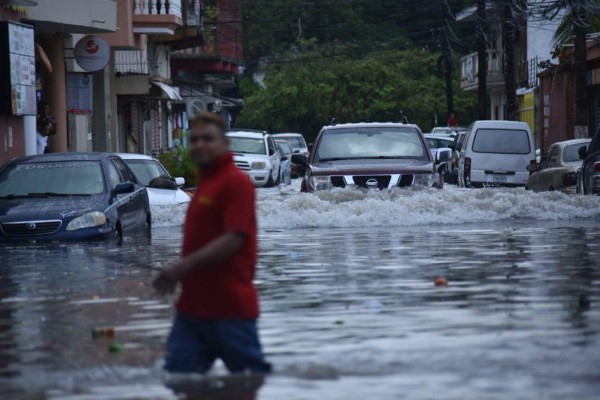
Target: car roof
247	134
284	135
500	124
134	156
572	142
370	125
53	157
442	137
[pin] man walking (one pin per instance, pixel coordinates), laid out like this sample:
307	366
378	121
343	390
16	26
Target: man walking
217	310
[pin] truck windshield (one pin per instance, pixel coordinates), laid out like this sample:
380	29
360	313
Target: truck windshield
370	143
247	145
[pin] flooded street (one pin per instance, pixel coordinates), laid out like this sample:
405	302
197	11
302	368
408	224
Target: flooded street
349	305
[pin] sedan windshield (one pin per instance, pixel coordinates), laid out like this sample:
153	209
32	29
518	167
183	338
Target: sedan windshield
146	170
60	178
370	143
247	145
571	152
295	142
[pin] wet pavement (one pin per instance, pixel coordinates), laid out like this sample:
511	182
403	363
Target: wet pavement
350	309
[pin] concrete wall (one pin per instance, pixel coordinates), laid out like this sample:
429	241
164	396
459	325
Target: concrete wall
74	16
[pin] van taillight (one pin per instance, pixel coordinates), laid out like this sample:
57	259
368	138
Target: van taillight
597	167
467	172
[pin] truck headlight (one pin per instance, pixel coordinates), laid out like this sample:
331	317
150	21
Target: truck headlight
424	180
258	165
320	182
88	220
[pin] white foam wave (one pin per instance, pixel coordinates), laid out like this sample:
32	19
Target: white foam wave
168	215
353	208
286	207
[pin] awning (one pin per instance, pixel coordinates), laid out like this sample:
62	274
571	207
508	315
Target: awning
171	92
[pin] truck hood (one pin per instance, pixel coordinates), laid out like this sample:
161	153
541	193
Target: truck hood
372	167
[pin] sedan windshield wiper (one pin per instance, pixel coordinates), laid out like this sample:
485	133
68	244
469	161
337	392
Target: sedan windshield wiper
363	158
54	194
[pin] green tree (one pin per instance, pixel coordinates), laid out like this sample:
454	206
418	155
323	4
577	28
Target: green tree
308	88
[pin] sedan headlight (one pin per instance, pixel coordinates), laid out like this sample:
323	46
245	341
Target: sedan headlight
88	220
320	182
258	165
426	180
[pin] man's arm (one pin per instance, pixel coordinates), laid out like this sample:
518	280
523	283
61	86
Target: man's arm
216	252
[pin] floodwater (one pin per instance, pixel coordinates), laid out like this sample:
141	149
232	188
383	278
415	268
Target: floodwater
350	309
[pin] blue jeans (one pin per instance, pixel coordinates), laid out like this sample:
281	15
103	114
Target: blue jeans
194	345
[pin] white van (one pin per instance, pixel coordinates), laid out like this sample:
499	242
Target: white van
496	153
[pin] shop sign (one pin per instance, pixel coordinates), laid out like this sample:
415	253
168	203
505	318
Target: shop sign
92	53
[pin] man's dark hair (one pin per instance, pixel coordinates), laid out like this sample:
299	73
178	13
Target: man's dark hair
209	118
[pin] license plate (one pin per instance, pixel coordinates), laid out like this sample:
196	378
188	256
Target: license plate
499	179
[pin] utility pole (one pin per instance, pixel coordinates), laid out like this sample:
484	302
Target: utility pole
580	70
509	37
448	71
481	60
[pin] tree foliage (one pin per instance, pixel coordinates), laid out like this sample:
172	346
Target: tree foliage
305	94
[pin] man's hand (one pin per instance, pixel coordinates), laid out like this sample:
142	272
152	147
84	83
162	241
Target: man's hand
167	281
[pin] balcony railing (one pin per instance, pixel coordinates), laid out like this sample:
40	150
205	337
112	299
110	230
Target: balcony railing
158	7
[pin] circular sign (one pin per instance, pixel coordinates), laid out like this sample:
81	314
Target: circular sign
92	53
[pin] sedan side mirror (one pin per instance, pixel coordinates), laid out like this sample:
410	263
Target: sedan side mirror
582	152
180	181
444	155
271	151
299	159
123	188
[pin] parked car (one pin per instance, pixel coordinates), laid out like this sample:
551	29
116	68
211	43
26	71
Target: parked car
295	140
557	170
256	154
496	153
71	196
162	188
286	161
459	139
588	176
447	130
370	156
438	144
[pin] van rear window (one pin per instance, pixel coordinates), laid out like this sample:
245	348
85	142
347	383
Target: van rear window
501	141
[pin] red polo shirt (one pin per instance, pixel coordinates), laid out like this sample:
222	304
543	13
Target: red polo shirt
224	203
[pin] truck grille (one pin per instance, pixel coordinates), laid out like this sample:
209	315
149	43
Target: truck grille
243	165
406	180
338	181
383	181
30	228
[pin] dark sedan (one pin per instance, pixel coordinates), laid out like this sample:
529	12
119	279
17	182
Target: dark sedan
370	156
71	196
588	176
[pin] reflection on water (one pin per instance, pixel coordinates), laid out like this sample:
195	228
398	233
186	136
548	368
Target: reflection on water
347	313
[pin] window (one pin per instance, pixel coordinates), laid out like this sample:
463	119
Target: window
501	141
553	159
365	143
124	171
243	145
146	170
112	175
571	153
60	177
